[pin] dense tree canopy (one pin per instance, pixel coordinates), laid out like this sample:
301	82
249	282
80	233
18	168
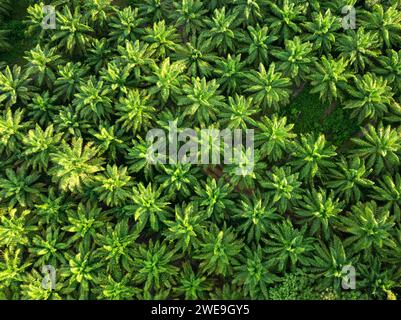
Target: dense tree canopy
79	191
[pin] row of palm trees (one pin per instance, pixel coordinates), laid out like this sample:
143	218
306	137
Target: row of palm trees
79	192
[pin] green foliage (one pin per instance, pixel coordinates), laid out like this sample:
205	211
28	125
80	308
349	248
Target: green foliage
82	191
269	88
218	250
287	246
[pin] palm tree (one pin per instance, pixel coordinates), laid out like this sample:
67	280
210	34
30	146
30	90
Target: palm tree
98	12
153	10
214	197
275	136
328	263
371	97
167	79
14	86
113	186
48	246
138	158
124	25
379	278
85	222
186	228
287	246
202	99
349	179
20	187
74	166
93	99
138	56
116	287
178	179
42	64
230	73
70	123
256	215
249	11
322	30
135	111
73	34
198	55
330	79
252	273
154	266
257	43
388	191
295	60
99	54
189	15
312	156
69	77
163	38
370	227
115	246
117	77
109	140
269	88
222	30
385	22
12	130
191	285
390	68
238	112
358	47
218	250
81	271
380	147
286	18
148	206
284	187
35	17
12	268
319	209
38	145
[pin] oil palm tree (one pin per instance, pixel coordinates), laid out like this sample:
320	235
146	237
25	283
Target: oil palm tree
312	156
359	47
286	18
385	22
14	86
68	79
202	99
322	30
350	178
167	79
124	25
73	34
42	64
199	57
189	16
371	98
295	60
257	41
330	79
270	88
74	165
380	147
222	30
275	136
